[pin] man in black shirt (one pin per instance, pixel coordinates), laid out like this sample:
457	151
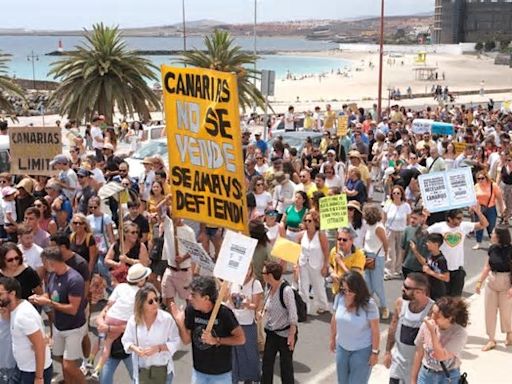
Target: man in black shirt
211	351
136	217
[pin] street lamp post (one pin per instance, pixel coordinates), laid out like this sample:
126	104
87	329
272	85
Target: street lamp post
184	26
33	58
381	56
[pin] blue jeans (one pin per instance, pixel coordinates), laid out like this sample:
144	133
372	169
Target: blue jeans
203	378
170	376
430	377
28	377
352	366
375	279
108	370
102	269
491	215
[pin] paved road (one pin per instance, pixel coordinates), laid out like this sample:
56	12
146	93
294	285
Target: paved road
312	361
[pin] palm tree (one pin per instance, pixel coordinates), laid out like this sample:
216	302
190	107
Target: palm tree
101	75
223	55
7	87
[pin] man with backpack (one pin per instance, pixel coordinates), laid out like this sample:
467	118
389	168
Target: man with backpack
280	324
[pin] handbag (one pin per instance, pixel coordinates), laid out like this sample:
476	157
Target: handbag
463	379
155	374
484	208
369	263
117	350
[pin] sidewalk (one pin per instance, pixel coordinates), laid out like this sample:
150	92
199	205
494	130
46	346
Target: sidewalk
482	367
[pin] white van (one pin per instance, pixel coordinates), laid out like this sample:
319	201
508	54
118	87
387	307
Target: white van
4	154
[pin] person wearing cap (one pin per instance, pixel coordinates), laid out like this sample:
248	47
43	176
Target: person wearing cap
65	296
272	225
111	161
260	144
284	192
67	178
24	198
85	192
97	136
146	178
112	320
9	205
357	162
61	205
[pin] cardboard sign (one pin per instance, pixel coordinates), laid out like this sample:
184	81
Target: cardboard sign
442	191
342	126
198	254
420	126
459	147
286	250
235	256
32	149
205	156
333	212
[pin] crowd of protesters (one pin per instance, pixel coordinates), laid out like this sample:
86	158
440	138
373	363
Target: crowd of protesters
70	248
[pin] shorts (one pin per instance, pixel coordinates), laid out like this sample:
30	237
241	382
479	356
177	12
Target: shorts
158	267
68	344
176	283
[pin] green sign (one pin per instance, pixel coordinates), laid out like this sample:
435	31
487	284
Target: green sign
333	212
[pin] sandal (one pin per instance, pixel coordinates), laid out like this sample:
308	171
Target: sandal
490	345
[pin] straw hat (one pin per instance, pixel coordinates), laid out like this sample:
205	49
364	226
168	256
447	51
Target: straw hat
354	153
27	184
137	272
355	204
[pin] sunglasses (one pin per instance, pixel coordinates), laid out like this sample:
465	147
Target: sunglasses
259	184
407	288
77	223
308	221
345	291
397	193
344	239
16	258
153	301
480	178
81	177
38	205
93	206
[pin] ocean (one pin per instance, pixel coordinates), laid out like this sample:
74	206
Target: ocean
21	48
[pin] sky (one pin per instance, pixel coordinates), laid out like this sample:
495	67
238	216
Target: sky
78	14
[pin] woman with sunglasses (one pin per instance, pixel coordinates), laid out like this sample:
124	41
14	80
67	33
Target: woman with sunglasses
12	265
46	222
82	240
152	336
354	330
263	198
75	160
133	252
313	263
292	218
396	215
488	195
439	343
101	226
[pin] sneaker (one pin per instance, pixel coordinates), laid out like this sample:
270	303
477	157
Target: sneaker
384	314
476	246
83	368
397	275
59	378
95	375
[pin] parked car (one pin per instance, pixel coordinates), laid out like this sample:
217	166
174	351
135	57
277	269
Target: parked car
150	148
296	139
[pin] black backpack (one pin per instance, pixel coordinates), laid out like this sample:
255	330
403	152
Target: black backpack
302	309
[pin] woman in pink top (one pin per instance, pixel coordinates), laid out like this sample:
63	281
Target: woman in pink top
46	222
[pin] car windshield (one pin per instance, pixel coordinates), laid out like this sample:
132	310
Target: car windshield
151	149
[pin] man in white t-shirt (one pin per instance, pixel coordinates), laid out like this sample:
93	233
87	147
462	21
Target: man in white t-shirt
178	274
31	251
30	349
289	119
454	231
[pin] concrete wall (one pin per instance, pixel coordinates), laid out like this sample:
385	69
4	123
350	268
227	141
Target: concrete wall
451	49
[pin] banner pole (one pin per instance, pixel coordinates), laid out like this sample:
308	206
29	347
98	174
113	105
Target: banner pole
222	292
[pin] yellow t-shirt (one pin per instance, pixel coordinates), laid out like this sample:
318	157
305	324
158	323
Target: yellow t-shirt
355	260
329	118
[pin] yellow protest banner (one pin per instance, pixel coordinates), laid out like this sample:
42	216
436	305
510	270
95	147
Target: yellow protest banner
342	126
333	212
459	147
205	148
32	149
286	250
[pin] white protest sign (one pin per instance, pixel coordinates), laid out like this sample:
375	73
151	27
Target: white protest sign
442	191
198	254
234	257
420	126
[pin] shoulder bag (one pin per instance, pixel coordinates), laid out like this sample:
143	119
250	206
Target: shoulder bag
484	208
463	376
155	374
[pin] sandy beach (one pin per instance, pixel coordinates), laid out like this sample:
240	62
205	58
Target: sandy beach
462	72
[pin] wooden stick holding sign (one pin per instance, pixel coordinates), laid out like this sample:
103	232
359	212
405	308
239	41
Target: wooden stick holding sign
232	265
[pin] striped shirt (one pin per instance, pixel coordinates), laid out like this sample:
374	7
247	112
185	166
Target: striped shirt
278	317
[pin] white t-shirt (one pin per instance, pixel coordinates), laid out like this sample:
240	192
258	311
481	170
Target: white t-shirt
9	206
396	216
272	232
25	321
289	121
453	246
253	287
98	176
99	230
123	297
184	232
372	243
146	179
32	255
71	179
96	132
262	169
262	202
